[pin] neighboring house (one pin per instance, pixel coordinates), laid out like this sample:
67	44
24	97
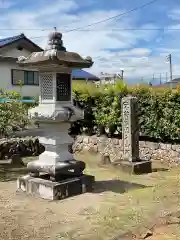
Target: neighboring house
171	84
10	72
109	78
83	76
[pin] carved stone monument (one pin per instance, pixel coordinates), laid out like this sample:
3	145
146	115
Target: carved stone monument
56	174
130	135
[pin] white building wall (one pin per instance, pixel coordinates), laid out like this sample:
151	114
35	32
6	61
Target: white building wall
14	52
5	71
6	81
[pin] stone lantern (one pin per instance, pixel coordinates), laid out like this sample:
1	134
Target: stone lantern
56	174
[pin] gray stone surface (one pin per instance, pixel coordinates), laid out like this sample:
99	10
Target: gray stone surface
147	150
130	137
140	167
46	189
130	129
69	168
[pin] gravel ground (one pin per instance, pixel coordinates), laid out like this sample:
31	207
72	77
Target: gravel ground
120	203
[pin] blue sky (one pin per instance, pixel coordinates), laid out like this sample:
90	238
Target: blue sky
139	52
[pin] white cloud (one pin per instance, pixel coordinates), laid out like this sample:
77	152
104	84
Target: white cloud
139	52
174	14
6	4
67	14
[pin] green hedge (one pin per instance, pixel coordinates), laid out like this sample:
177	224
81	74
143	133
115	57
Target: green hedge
159	109
13	115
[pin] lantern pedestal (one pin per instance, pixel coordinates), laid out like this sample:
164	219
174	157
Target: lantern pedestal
56	160
44	188
56	174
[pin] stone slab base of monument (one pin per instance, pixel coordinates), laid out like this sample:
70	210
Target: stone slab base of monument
44	188
140	167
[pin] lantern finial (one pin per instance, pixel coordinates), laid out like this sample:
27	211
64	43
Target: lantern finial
55	41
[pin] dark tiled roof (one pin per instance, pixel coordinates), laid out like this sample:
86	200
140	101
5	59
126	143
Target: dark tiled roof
9	40
81	74
176	80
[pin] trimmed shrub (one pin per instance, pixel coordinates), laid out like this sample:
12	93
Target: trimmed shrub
159	109
13	115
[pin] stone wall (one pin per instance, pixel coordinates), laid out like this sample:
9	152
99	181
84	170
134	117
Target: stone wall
25	147
112	148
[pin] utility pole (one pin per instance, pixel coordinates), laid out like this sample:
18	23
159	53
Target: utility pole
160	79
153	78
114	78
170	65
169	58
166	77
122	74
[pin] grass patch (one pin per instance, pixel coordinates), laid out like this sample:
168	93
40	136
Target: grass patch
145	198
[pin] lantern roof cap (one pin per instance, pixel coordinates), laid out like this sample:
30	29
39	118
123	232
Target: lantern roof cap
56	53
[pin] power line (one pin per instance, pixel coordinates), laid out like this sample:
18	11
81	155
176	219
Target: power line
111	18
84	30
25	29
130	29
38	37
91	30
114	17
95	23
117	29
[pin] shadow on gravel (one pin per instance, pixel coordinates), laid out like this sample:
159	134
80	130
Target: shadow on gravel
116	186
9	172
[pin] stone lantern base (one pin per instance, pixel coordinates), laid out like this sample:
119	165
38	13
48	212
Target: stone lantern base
55	174
45	188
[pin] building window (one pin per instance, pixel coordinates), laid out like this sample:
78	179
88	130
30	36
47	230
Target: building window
27	77
19	48
63	85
